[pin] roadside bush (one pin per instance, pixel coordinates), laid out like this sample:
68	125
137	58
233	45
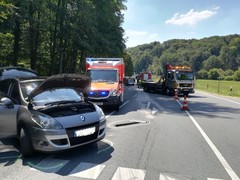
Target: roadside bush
236	75
202	74
213	74
228	78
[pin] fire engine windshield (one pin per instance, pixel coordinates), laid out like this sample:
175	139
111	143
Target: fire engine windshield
184	75
103	75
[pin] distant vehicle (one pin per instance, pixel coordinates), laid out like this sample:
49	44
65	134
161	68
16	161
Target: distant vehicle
49	114
129	81
177	78
107	87
143	77
6	72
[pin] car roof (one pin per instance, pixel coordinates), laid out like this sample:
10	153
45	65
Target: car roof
23	79
8	72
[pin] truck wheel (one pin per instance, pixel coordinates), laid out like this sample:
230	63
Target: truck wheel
25	143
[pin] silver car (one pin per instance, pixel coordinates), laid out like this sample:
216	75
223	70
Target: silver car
50	115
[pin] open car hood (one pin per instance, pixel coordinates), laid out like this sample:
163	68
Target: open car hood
81	82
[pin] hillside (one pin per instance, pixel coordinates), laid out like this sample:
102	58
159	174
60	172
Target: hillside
202	55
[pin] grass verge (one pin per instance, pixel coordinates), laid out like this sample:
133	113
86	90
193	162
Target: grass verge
226	88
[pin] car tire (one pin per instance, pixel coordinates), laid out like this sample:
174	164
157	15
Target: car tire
25	142
120	102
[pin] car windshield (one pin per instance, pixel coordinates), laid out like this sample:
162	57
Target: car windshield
28	87
185	76
59	95
103	75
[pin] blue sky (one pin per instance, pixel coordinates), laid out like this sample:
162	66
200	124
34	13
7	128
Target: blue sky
146	21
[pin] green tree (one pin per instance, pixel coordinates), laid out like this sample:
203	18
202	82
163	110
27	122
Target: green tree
202	74
236	75
213	74
128	64
6	9
212	62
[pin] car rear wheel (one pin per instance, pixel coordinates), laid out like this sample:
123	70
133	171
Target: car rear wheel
25	142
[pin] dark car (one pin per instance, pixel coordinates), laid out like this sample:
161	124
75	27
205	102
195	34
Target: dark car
49	114
7	72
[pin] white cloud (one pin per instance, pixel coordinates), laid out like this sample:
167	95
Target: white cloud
135	38
192	17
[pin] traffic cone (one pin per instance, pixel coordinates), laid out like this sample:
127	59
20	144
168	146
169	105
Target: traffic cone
185	105
176	95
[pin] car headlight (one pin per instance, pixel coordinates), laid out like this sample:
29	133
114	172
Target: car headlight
113	92
100	113
46	122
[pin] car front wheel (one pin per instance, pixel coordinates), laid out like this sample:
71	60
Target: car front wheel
25	142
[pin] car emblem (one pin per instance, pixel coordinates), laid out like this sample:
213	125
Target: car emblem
82	118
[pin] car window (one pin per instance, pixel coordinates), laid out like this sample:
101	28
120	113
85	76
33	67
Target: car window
28	87
15	94
4	86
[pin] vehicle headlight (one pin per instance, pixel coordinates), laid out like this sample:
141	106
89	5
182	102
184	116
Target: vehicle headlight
100	113
46	122
113	92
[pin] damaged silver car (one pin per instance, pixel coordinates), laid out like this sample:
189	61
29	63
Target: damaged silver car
55	116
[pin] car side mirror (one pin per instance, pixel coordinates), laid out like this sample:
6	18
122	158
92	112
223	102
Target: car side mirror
7	102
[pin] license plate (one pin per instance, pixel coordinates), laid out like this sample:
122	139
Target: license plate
99	103
84	132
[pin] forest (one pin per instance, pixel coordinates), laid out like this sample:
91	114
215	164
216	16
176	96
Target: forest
55	36
216	57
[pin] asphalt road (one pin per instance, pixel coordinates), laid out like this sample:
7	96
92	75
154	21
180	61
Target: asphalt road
149	138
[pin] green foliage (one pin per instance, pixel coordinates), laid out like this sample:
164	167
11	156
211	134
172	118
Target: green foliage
236	75
6	42
128	65
56	36
202	74
6	10
212	62
213	74
216	52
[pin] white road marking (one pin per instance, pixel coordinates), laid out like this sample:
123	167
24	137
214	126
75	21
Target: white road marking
154	111
164	176
129	174
116	111
219	98
213	179
124	103
48	165
7	149
135	95
148	105
110	143
87	170
222	160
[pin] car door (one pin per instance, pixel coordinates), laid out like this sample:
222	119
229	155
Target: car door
8	112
